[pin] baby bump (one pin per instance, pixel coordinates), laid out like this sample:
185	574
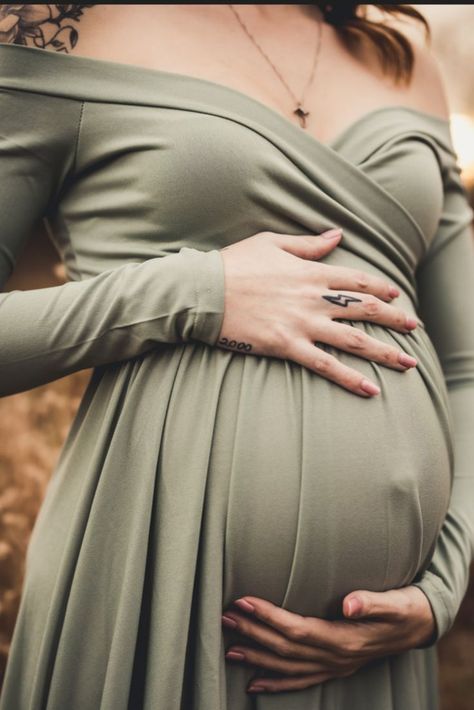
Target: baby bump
326	492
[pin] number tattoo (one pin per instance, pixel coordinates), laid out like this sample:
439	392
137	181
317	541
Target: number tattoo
234	345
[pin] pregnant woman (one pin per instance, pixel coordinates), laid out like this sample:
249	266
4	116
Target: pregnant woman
263	420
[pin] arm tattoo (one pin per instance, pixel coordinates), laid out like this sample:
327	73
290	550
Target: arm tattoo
235	345
41	26
342	300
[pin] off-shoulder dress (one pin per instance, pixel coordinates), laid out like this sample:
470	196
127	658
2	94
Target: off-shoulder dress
193	475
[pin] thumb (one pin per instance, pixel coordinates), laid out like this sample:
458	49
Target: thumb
311	246
363	604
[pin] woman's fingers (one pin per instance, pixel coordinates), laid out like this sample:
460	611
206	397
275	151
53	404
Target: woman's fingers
278	685
314	358
315	247
354	340
302	629
307	246
347	279
273	662
273	640
351	305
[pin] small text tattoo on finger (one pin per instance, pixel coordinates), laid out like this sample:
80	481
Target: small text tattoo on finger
342	300
235	345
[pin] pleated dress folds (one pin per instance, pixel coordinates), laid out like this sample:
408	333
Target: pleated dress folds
193	475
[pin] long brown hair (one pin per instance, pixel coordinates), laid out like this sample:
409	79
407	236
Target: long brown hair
393	47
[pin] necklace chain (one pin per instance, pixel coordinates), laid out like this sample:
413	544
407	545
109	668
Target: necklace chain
299	110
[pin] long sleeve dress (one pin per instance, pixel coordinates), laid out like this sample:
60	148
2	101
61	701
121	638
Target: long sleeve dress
193	475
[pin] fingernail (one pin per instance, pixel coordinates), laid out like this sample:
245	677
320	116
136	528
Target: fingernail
228	621
406	360
332	234
369	387
393	291
235	655
255	688
411	322
245	605
355	607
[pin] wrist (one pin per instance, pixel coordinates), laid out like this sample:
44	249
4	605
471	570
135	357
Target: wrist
425	627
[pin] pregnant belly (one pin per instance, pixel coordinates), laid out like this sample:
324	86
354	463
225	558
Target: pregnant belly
319	491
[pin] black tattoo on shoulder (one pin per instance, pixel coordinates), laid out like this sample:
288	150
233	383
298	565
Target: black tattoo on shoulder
235	345
342	300
42	26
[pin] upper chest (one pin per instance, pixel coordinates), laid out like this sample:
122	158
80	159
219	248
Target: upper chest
205	41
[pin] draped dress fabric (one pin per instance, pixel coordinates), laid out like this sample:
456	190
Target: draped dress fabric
193	475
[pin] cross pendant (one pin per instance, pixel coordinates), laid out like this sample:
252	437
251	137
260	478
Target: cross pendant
301	113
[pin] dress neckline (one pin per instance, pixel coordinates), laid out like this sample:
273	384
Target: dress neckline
124	72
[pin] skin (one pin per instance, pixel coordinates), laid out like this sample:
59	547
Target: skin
206	41
304	651
266	311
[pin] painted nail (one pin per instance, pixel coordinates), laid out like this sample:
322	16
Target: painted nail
411	322
332	234
235	655
354	607
406	360
393	291
229	621
369	387
255	688
245	605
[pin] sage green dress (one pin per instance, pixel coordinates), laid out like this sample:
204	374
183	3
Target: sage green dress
193	475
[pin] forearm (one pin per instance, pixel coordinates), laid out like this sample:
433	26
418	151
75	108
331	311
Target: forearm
446	286
49	333
447	577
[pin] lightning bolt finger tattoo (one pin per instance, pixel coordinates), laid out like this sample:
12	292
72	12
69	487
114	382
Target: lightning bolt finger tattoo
342	300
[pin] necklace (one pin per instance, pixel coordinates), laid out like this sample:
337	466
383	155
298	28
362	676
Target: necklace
299	110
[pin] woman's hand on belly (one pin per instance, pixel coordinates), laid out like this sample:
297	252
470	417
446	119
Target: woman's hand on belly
303	651
282	306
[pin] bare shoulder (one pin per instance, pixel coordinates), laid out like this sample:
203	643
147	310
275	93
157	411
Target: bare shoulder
428	84
44	26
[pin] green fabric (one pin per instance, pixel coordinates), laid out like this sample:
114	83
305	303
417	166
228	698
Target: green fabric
194	475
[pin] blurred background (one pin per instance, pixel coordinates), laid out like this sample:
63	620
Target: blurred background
33	425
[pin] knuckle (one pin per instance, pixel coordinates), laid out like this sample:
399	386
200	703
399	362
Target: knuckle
405	608
353	381
401	319
322	365
338	664
344	653
297	632
356	339
282	647
362	280
351	648
347	381
388	355
371	307
346	672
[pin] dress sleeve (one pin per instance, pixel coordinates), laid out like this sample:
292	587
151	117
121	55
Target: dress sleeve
446	293
121	313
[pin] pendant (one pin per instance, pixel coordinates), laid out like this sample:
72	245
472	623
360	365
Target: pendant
301	113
